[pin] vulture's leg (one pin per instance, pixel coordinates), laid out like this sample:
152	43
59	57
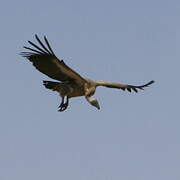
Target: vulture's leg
63	106
62	102
67	103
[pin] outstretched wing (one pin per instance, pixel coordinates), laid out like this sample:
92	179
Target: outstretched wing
124	86
44	59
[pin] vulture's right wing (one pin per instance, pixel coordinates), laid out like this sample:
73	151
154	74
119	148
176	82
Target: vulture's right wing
44	59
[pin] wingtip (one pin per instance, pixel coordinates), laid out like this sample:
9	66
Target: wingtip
151	82
37	38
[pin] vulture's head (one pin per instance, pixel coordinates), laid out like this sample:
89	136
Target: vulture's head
93	102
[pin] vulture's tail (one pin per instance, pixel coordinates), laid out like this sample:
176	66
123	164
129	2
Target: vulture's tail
51	85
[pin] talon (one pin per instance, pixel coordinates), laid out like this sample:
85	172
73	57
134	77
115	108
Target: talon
60	105
61	109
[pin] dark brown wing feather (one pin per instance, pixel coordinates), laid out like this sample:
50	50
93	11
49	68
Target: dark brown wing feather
135	88
44	59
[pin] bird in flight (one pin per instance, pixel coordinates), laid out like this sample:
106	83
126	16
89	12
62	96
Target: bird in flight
69	83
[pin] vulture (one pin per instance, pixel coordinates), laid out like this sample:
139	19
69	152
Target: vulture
68	82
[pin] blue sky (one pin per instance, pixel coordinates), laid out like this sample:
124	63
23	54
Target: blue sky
133	136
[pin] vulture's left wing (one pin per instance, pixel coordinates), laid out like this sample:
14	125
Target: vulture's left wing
124	86
44	59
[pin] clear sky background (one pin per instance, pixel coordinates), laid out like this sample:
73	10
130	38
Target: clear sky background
133	136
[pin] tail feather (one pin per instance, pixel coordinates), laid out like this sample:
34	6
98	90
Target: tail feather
50	85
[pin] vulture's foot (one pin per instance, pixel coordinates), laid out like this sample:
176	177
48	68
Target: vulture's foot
63	107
